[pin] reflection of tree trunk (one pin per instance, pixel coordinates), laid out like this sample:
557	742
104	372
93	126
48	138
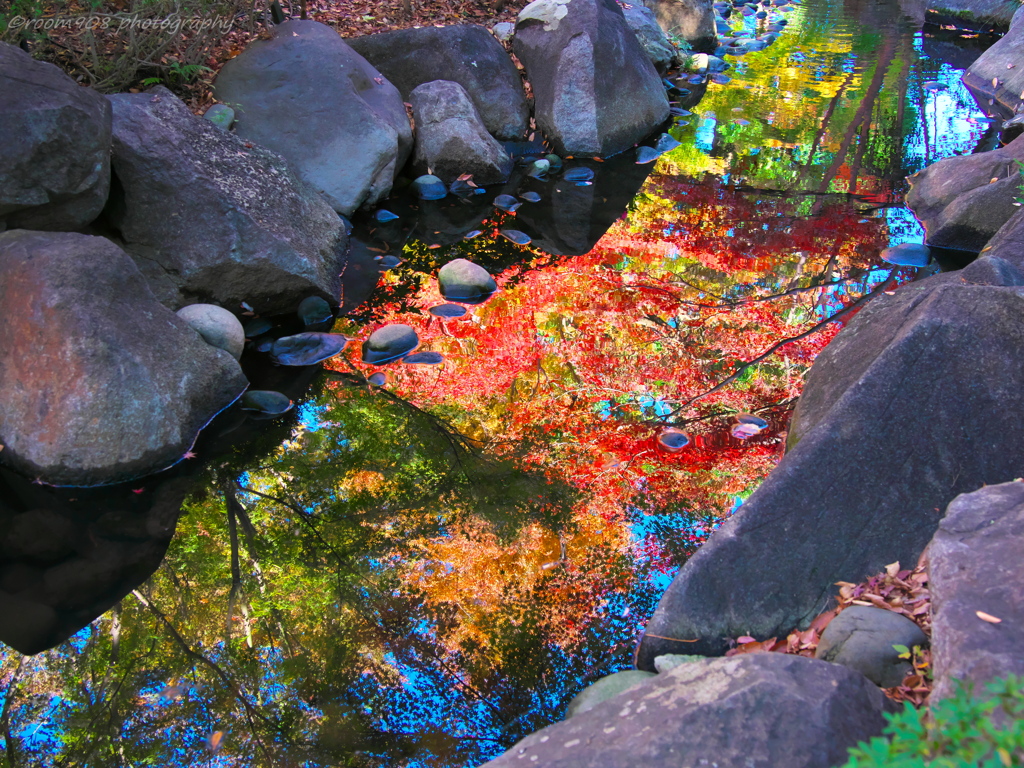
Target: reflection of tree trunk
236	571
858	159
5	715
863	112
824	127
251	714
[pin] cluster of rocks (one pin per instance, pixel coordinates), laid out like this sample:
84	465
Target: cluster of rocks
121	210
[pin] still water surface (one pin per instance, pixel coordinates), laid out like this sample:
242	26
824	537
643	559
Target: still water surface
420	573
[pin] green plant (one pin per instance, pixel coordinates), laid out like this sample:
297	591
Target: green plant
1019	199
960	731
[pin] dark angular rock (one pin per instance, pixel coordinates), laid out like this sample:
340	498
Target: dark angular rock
760	710
451	138
102	383
938	342
595	90
862	637
308	96
992	270
55	167
210	218
466	54
991	65
689	20
974	564
939	184
652	38
970	221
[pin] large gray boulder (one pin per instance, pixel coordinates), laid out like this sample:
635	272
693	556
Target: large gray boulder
974	564
55	166
964	200
211	218
466	54
308	96
692	21
595	90
101	382
451	139
761	710
997	73
914	394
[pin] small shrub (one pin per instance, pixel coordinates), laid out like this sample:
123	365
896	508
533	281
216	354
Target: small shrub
957	732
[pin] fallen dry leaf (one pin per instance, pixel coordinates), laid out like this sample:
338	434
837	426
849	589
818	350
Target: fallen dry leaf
987	617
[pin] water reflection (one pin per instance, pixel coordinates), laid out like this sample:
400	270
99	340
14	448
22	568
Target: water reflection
419	569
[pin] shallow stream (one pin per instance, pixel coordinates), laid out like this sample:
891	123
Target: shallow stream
420	571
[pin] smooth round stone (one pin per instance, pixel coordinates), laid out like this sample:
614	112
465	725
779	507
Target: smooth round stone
265	401
377	379
908	255
503	30
448	310
749	418
466	282
862	637
389	343
606	688
429	187
218	327
313	310
220	115
424	358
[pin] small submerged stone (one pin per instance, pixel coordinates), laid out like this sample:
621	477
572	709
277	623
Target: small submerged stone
424	358
389	261
907	255
474	233
307	348
646	155
313	310
517	237
377	379
464	281
580	173
539	168
265	401
383	215
530	197
554	163
448	310
429	187
747	425
389	343
672	440
666	143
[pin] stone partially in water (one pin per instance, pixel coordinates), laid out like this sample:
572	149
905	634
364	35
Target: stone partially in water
428	187
218	327
220	115
507	203
580	173
377	379
424	358
307	348
389	343
266	401
313	310
464	281
646	155
672	440
517	237
907	255
530	197
448	310
383	215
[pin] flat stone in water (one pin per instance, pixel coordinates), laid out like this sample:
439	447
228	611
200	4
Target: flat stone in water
390	261
472	234
646	155
313	310
389	343
448	310
720	79
749	418
383	215
307	348
666	143
517	237
265	401
464	281
429	187
530	197
907	255
377	379
424	358
507	203
539	168
580	173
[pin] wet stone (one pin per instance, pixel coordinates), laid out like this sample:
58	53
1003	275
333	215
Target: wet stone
218	327
462	280
307	348
389	343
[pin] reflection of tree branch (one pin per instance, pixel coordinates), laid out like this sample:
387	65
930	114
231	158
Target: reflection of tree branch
236	571
855	274
251	714
775	347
